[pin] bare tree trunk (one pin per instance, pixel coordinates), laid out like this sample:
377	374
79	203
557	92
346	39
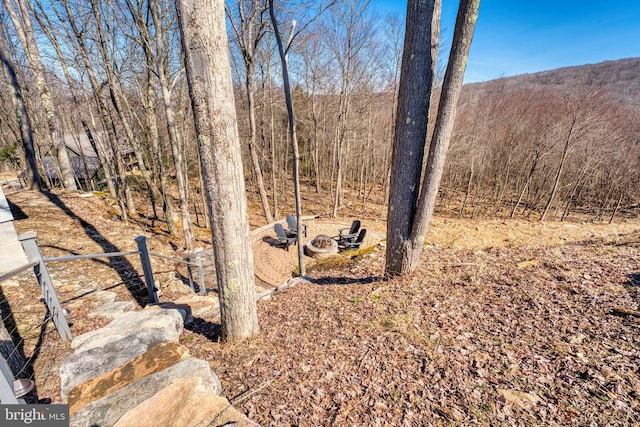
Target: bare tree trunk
575	191
466	194
204	41
403	256
24	30
451	87
292	128
249	27
26	133
47	28
526	185
114	93
165	189
414	95
257	170
617	207
174	141
341	135
556	181
313	116
124	198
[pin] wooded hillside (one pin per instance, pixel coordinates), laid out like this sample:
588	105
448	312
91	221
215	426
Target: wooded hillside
545	145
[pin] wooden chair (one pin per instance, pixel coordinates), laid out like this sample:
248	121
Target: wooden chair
283	239
351	235
293	226
351	246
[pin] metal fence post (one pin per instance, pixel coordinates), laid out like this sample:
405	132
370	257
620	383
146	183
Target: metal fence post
203	286
7	396
141	241
46	284
190	274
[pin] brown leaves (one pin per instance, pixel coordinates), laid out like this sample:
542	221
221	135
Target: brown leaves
488	335
470	338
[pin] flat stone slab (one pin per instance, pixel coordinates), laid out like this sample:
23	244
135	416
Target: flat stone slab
131	323
126	338
186	402
118	392
203	307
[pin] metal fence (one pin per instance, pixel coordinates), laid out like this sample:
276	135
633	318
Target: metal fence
25	319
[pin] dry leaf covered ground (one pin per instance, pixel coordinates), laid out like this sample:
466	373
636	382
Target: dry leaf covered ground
505	323
496	336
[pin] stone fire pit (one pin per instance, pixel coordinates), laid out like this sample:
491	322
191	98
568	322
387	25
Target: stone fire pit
322	246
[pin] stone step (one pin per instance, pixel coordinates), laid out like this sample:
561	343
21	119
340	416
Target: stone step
134	367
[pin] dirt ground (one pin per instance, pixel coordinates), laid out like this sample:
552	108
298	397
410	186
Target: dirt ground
506	322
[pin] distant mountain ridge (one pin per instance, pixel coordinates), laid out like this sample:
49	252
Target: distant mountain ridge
620	78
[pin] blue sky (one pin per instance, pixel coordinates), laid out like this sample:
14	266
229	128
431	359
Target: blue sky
524	36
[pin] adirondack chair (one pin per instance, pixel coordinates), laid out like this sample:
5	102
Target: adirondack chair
348	234
283	239
350	246
293	226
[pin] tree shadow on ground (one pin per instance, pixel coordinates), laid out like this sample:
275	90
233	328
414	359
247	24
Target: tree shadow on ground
119	264
333	280
210	330
18	213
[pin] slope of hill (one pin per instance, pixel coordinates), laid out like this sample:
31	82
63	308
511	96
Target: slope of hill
621	79
506	322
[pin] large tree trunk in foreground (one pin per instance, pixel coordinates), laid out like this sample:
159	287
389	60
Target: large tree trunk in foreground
403	255
414	94
204	40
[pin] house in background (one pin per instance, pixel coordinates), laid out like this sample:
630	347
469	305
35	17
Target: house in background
88	170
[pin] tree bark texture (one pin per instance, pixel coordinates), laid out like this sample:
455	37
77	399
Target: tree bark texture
204	39
414	95
404	258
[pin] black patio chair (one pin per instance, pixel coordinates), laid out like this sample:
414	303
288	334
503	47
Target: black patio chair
351	246
283	239
293	226
348	234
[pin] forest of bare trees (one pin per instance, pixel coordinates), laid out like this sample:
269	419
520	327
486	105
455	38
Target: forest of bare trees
112	73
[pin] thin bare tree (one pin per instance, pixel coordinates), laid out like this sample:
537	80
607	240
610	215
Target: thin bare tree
26	133
283	49
249	26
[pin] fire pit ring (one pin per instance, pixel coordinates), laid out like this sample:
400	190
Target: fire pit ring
322	246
